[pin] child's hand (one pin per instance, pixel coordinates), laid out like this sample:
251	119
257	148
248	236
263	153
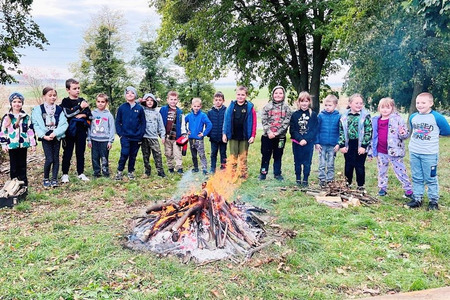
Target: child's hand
271	135
224	138
84	104
336	148
90	144
303	143
200	134
163	141
344	150
52	135
361	150
48	137
318	148
109	146
33	148
251	140
402	131
5	149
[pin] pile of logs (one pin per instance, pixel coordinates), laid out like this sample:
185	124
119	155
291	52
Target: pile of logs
200	226
12	187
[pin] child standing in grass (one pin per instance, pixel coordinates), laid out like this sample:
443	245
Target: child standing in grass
217	115
174	124
426	125
50	125
16	136
388	146
276	116
239	130
154	128
198	126
101	136
130	127
327	140
303	130
355	135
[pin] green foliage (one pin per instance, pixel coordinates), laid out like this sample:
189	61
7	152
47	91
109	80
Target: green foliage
17	30
101	70
289	43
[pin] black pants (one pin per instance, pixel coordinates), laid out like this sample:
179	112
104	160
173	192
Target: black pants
18	164
51	152
355	161
302	158
272	147
128	151
220	147
79	142
100	158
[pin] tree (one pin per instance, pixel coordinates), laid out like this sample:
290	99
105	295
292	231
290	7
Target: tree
290	43
17	31
101	69
394	53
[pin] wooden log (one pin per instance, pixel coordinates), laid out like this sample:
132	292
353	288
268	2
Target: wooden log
256	249
158	206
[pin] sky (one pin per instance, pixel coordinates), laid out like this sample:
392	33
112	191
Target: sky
64	23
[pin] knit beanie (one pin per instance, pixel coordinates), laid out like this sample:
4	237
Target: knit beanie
130	88
279	87
16	95
155	101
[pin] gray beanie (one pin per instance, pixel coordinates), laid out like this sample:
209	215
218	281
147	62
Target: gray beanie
16	95
130	88
279	87
155	101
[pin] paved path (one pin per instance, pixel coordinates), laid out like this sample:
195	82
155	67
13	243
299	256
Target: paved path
433	294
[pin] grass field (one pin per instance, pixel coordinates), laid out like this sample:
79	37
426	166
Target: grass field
66	243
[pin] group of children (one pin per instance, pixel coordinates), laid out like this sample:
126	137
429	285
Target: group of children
138	124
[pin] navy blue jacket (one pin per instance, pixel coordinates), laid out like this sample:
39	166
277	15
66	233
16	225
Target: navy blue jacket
216	116
328	133
130	122
164	111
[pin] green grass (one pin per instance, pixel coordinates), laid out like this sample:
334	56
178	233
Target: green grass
67	243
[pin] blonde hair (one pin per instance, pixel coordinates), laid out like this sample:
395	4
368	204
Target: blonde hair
426	95
354	96
196	100
304	96
330	98
387	102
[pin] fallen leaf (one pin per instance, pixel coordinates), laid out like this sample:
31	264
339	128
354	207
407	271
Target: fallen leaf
215	293
424	246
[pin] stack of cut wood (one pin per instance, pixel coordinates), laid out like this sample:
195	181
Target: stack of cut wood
12	192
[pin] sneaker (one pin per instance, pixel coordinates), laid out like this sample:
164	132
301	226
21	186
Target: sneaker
47	183
180	171
408	195
298	182
433	206
305	184
161	174
414	204
361	189
322	184
279	177
54	183
171	170
195	170
262	177
65	178
382	193
205	172
83	177
131	175
119	175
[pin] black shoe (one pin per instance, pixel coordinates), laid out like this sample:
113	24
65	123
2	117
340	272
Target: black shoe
414	204
205	172
194	170
305	184
262	177
171	170
180	171
322	184
433	206
279	177
161	174
298	182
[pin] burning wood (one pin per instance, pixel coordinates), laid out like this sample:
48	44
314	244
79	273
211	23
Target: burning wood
201	225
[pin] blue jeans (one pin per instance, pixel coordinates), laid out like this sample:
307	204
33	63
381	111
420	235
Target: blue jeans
100	161
326	163
424	172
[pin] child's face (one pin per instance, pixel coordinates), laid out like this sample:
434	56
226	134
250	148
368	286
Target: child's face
356	105
129	96
241	95
74	90
303	104
50	97
101	103
386	111
278	95
196	106
16	105
218	102
149	102
172	101
423	104
329	106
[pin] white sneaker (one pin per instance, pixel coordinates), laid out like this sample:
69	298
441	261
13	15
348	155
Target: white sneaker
83	177
65	178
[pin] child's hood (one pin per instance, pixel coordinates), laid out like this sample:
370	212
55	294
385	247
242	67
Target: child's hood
101	111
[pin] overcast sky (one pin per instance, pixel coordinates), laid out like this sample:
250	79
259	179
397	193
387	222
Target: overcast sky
64	22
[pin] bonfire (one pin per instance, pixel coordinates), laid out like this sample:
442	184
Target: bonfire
202	224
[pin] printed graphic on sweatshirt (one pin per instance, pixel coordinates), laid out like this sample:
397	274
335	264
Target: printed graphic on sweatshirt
303	123
422	131
99	125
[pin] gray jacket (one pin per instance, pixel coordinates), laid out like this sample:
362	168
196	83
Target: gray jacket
154	124
102	127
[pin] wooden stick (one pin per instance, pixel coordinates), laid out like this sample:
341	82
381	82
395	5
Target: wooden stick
256	249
